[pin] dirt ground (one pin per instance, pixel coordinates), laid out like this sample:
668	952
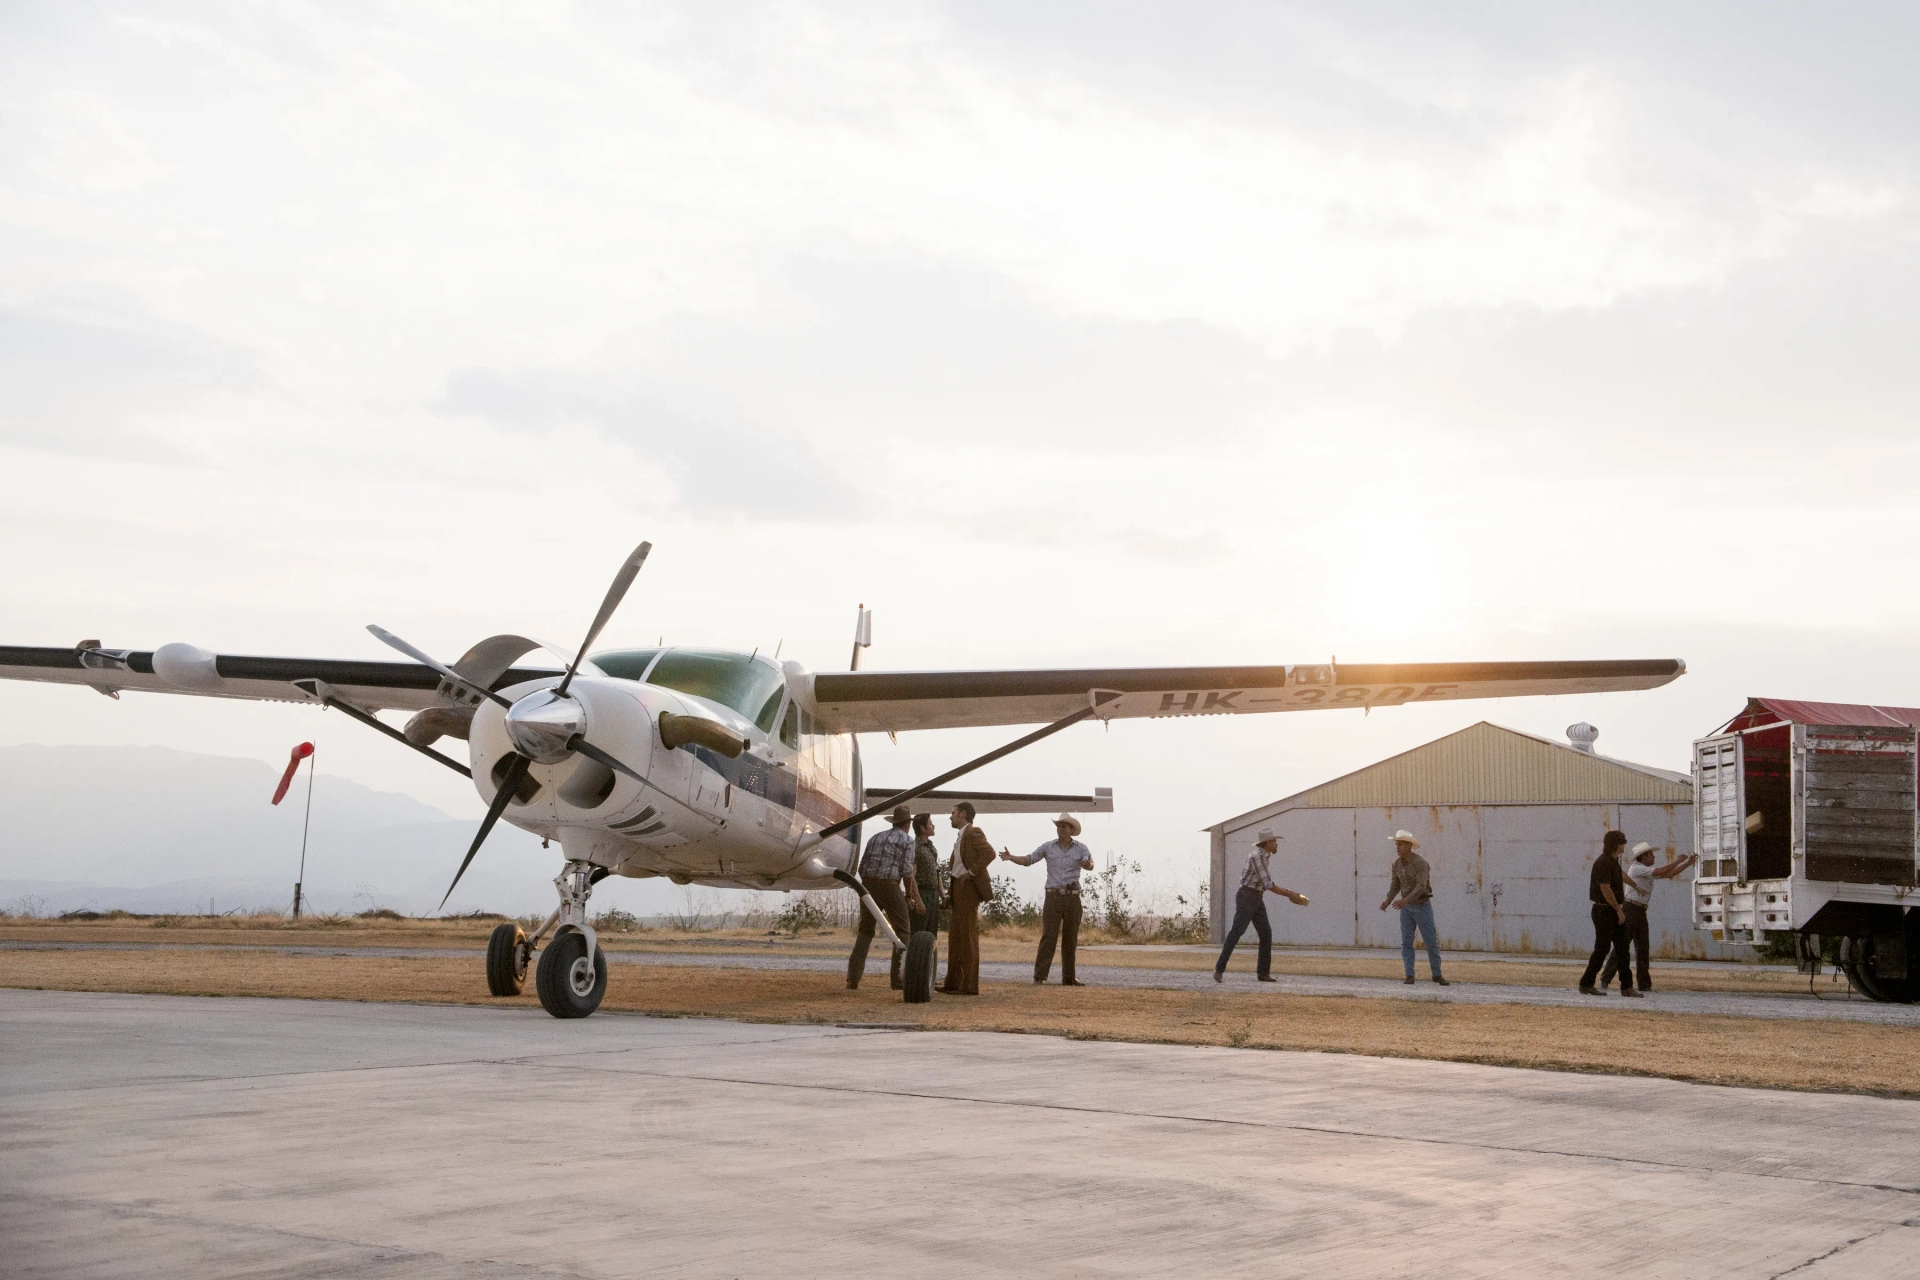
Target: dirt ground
1007	944
1837	1056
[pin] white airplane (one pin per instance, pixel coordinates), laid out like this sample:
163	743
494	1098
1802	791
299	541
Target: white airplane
734	769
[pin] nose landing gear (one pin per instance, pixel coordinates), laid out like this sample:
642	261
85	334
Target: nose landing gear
571	978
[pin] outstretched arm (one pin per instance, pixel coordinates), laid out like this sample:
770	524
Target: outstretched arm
1675	867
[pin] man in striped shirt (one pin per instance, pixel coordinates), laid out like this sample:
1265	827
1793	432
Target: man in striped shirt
1250	907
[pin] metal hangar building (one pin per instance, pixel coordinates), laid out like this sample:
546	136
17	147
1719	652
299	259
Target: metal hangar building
1510	823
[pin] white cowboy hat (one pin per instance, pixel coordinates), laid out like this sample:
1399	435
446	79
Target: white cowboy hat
1266	834
1068	820
1643	847
1404	834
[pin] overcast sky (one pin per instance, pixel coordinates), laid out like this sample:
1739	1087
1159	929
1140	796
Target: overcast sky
1059	335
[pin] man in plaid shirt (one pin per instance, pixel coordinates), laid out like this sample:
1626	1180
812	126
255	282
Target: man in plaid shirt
887	862
1250	907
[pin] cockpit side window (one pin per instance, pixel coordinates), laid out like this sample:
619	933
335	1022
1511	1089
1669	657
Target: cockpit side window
790	727
769	709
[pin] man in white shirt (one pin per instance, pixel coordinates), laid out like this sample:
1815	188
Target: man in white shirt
1638	890
1066	858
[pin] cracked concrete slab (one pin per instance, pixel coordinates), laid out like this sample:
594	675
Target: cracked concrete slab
159	1135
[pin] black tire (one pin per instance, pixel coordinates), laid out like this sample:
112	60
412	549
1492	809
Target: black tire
923	957
507	956
560	977
1856	960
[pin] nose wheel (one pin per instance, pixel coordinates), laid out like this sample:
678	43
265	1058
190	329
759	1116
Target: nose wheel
571	976
571	982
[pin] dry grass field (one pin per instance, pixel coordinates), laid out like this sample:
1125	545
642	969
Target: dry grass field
1839	1056
1011	944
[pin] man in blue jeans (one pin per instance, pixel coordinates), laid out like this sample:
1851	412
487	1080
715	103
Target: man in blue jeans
1250	907
1411	890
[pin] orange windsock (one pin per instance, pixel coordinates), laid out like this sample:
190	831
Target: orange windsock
300	753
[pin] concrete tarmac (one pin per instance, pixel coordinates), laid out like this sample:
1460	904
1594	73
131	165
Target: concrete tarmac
157	1135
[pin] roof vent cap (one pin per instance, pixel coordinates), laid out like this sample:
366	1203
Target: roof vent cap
1582	736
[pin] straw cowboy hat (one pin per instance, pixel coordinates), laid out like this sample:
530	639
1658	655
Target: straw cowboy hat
1071	823
1643	847
1404	834
1266	834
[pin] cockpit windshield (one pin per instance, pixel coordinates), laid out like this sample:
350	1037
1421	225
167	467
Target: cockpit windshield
749	686
625	664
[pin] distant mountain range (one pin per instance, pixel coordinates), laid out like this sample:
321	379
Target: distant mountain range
156	830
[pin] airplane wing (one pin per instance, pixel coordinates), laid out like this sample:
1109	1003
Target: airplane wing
938	802
181	668
890	701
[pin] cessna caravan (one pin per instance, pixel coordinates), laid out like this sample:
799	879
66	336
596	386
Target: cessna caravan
738	770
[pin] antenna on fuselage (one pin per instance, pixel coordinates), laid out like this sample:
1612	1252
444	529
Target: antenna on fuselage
862	635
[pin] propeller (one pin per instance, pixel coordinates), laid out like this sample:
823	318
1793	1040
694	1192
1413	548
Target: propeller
615	594
518	762
516	769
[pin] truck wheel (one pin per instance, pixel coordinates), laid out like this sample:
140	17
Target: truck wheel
922	959
507	960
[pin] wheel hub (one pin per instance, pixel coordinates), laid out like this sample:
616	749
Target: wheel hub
580	977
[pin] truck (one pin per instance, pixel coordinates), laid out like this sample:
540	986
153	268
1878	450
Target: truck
1805	824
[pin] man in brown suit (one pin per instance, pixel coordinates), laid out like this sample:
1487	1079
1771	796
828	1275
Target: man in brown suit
972	856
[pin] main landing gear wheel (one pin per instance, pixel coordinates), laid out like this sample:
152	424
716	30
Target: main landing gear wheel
507	957
569	986
922	959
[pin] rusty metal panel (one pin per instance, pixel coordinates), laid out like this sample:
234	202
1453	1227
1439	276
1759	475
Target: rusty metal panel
1857	802
1486	764
1538	858
1449	838
1315	858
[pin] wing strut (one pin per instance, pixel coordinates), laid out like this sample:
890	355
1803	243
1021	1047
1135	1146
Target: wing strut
1096	699
324	694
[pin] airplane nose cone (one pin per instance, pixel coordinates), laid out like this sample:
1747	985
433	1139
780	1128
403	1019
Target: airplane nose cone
542	724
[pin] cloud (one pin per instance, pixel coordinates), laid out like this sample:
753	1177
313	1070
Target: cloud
86	380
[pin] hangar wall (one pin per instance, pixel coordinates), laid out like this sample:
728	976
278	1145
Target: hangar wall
1509	871
1505	877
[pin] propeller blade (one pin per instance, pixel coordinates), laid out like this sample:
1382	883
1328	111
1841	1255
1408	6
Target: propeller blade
387	637
508	784
615	594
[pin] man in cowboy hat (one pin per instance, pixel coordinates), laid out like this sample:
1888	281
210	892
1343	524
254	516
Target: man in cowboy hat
1066	858
1640	873
1410	888
1250	907
887	862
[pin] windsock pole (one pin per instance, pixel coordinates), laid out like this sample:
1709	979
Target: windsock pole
303	751
305	822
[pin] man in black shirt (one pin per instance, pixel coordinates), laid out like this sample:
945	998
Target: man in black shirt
1605	891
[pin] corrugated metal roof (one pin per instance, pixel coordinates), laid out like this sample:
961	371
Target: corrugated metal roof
1761	711
1487	764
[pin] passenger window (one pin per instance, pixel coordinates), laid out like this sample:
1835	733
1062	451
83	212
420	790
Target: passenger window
790	727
